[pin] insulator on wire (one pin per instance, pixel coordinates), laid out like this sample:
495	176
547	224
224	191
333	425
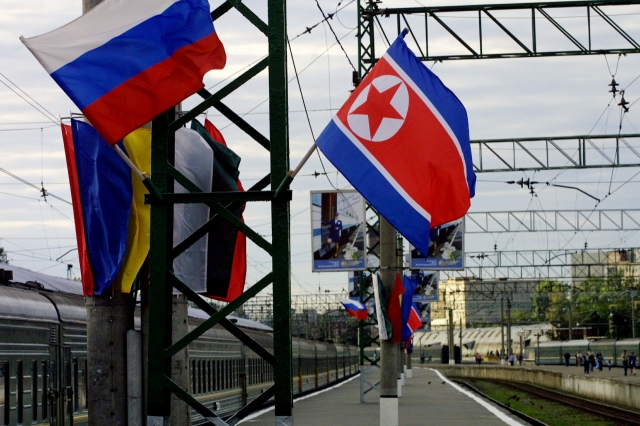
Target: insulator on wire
623	103
613	86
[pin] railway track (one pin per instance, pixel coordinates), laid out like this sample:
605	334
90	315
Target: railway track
619	415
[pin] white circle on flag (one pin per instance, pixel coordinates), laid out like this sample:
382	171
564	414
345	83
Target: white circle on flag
360	123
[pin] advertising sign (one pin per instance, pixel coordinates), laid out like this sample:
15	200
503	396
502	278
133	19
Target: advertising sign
427	288
446	248
338	230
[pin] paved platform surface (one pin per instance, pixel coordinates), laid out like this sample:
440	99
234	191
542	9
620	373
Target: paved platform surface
425	401
616	373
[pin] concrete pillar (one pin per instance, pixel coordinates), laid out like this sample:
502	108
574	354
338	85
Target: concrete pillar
180	410
109	316
409	372
134	377
388	349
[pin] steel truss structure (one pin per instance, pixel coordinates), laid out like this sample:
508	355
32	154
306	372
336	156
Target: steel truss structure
474	27
556	153
163	251
542	264
552	221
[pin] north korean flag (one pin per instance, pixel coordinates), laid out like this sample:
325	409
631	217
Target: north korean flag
402	140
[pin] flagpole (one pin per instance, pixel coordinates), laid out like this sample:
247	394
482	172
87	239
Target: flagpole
144	177
292	173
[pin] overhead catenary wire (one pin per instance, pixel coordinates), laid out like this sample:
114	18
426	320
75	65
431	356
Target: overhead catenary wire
326	19
42	110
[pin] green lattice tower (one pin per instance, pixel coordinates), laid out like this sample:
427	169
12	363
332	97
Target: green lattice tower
162	253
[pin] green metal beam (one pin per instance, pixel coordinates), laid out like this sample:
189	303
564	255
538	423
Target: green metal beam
162	252
556	153
443	16
280	212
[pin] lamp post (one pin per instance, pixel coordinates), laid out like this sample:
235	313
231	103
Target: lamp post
633	294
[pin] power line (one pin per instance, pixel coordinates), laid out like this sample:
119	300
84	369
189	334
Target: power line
334	34
45	112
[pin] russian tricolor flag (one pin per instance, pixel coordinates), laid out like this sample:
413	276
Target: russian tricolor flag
402	140
355	308
124	62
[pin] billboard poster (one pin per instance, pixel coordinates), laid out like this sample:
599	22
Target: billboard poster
338	231
446	248
427	288
356	279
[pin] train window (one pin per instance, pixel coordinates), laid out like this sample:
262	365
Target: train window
76	382
217	374
45	406
20	391
34	390
193	376
227	374
7	392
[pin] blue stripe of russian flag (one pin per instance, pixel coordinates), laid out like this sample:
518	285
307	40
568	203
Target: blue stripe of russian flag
134	51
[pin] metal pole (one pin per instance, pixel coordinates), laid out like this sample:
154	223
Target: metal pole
633	315
452	352
388	349
502	327
509	348
460	338
280	211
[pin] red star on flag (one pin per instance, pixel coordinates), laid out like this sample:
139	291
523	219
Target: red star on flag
378	106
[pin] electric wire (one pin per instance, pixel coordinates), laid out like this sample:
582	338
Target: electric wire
293	62
335	35
46	114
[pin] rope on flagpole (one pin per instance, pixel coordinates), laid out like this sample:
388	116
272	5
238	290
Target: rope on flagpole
144	177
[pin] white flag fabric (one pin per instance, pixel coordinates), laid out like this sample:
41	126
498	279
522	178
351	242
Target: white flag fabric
194	159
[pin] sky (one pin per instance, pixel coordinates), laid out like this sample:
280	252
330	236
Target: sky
504	98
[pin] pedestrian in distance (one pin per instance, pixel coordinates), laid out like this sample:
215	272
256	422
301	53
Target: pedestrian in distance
512	360
599	361
592	361
633	360
520	359
625	361
585	362
567	357
609	364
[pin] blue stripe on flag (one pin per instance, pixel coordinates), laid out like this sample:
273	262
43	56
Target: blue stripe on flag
134	51
374	187
106	194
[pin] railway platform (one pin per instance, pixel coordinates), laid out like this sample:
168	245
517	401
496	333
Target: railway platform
427	398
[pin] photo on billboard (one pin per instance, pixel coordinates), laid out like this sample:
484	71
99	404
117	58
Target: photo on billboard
446	248
427	288
357	279
338	231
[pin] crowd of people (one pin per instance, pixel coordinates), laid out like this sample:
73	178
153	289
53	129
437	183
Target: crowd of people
595	361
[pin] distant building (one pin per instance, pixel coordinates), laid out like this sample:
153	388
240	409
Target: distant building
477	303
602	263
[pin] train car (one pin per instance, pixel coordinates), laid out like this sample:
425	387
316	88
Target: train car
631	345
611	349
307	366
43	357
605	346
